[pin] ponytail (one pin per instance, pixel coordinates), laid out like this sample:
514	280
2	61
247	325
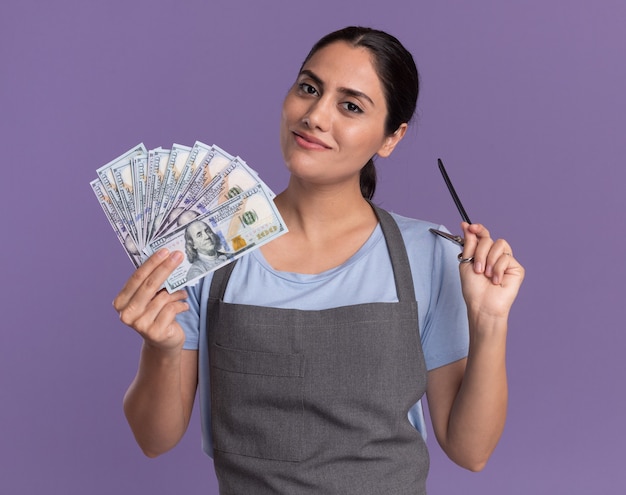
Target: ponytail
367	180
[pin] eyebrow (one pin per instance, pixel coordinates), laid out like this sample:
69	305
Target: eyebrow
347	91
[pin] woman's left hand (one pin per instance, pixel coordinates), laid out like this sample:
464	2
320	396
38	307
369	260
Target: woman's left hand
491	282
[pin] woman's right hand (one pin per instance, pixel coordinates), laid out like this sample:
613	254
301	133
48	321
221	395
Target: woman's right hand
149	310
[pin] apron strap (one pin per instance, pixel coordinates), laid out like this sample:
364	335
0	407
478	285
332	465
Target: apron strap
220	281
395	245
397	253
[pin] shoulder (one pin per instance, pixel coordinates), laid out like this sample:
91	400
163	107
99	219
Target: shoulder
426	250
413	226
416	232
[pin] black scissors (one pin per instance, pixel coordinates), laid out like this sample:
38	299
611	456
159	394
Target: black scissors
453	238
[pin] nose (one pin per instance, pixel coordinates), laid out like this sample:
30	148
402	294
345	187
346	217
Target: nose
319	114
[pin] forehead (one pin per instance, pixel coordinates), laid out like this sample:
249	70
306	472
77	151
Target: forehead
343	65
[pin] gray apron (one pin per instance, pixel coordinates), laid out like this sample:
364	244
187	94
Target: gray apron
316	402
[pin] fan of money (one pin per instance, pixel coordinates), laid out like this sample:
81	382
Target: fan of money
196	199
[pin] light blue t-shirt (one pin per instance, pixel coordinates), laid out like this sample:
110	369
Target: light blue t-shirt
364	278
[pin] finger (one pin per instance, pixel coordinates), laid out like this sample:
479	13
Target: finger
142	319
167	317
142	286
500	260
470	241
478	243
137	278
164	327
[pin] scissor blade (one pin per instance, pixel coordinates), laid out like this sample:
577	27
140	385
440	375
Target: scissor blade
457	239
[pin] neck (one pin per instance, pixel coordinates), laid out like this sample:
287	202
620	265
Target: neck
327	225
307	208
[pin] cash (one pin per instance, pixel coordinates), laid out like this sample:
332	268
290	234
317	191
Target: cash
196	199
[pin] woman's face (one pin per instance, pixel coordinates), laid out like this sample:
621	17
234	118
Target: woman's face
333	118
202	238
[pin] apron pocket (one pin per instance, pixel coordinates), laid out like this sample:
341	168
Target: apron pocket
256	403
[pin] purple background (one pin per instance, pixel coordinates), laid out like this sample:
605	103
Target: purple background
524	101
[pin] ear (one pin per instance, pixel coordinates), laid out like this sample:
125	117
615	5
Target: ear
391	141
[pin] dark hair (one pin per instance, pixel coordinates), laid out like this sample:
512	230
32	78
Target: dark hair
398	74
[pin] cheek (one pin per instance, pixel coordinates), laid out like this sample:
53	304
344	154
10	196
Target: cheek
286	122
359	139
289	111
373	138
283	124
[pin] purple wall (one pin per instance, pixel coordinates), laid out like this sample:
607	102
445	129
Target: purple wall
524	101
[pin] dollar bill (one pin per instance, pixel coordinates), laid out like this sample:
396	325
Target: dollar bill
197	154
212	165
183	196
123	177
244	222
116	177
236	178
179	155
201	173
140	177
119	227
158	160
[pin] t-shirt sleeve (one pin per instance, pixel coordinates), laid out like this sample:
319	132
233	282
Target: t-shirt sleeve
445	336
190	320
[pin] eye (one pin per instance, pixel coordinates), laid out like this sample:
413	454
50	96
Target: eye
307	88
352	107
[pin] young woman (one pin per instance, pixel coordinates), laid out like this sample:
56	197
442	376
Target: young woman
310	354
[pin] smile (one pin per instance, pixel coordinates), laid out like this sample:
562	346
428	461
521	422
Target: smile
309	142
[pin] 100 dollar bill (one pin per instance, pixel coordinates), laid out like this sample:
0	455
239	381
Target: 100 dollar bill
112	214
117	179
230	182
247	221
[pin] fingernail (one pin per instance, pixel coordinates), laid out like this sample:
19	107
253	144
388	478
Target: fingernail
162	253
495	280
478	267
177	256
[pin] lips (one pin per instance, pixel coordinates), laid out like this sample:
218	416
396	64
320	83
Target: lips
310	142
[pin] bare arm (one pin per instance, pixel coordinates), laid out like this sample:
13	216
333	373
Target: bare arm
468	399
159	401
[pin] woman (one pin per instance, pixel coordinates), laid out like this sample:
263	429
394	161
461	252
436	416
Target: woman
316	352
